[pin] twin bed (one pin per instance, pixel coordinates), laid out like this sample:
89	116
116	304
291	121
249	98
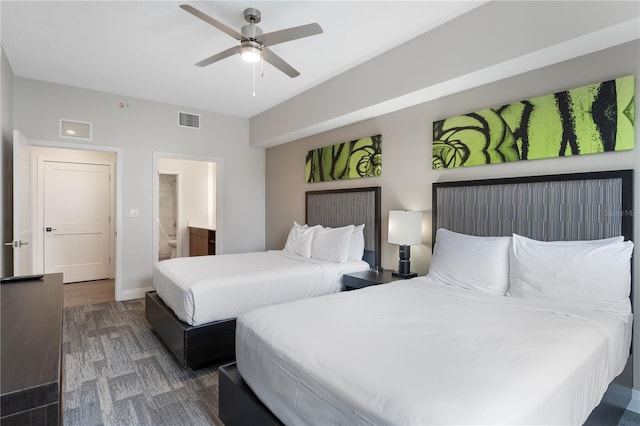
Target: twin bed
507	328
197	299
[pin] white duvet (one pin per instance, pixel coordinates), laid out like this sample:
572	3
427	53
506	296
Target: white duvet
210	288
423	353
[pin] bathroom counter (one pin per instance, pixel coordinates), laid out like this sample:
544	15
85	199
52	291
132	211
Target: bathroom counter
201	226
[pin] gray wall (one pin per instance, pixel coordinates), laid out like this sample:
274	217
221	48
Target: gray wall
138	130
407	142
6	161
496	40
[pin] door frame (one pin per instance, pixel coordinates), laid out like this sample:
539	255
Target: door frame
156	198
117	220
20	143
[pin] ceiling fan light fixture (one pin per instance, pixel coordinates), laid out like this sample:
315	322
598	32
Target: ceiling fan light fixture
250	52
253	43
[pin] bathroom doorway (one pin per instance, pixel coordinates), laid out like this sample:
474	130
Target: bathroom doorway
187	192
168	215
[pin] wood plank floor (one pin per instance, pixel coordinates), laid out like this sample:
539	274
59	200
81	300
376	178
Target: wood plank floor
89	293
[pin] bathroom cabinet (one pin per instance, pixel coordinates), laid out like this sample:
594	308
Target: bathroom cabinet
202	241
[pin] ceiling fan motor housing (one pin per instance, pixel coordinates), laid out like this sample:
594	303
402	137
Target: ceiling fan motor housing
252	15
251	31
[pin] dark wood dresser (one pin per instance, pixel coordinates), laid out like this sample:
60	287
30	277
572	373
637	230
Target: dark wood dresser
31	350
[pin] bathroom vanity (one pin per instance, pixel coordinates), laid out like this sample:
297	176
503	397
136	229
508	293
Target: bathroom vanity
202	240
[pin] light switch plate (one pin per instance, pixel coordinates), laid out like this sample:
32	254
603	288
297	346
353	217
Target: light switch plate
134	213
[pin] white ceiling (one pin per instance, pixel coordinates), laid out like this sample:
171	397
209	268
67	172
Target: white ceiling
146	49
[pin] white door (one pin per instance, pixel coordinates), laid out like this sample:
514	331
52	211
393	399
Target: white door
76	220
22	206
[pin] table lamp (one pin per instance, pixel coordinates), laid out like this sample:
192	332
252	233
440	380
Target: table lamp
405	229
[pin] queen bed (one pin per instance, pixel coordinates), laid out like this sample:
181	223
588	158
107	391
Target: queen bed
197	299
510	326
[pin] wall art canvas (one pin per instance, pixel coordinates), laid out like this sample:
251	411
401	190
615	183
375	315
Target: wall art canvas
586	120
347	160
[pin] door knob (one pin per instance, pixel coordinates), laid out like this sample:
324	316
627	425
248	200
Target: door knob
49	229
17	244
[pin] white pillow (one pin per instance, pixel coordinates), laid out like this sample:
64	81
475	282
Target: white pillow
471	262
356	249
299	240
332	243
570	271
603	241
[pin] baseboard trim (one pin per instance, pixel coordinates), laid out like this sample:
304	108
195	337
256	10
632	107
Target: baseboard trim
618	395
634	404
133	293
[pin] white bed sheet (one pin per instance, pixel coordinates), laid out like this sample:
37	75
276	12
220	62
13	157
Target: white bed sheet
210	288
420	352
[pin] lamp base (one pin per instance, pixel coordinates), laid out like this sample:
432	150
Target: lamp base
404	276
404	265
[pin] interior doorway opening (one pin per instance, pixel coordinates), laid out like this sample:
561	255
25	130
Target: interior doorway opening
187	194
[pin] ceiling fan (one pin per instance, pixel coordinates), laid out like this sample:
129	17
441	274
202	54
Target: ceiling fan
253	43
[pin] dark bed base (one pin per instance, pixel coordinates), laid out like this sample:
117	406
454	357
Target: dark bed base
238	404
193	346
605	414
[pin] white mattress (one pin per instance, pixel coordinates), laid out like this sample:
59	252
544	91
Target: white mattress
209	288
420	352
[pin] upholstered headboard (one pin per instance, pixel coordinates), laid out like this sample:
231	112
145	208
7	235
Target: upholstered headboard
580	206
341	207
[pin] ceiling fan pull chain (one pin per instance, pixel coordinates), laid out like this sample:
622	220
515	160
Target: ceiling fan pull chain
253	75
261	66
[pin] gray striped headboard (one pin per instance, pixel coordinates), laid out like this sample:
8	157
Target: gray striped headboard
581	206
352	206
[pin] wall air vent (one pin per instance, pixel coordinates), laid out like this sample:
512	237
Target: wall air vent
186	119
75	129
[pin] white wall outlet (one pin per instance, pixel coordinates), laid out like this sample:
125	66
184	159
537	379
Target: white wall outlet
134	213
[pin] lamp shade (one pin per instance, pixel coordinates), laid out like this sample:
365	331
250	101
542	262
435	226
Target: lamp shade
405	227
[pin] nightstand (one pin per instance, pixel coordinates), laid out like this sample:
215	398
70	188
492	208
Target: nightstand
362	279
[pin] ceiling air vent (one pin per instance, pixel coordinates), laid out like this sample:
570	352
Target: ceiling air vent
75	129
188	120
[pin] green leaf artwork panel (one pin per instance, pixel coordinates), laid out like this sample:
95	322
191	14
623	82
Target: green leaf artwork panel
586	120
348	160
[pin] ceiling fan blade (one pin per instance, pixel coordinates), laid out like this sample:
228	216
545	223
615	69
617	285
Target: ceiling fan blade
279	63
208	19
289	34
218	56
